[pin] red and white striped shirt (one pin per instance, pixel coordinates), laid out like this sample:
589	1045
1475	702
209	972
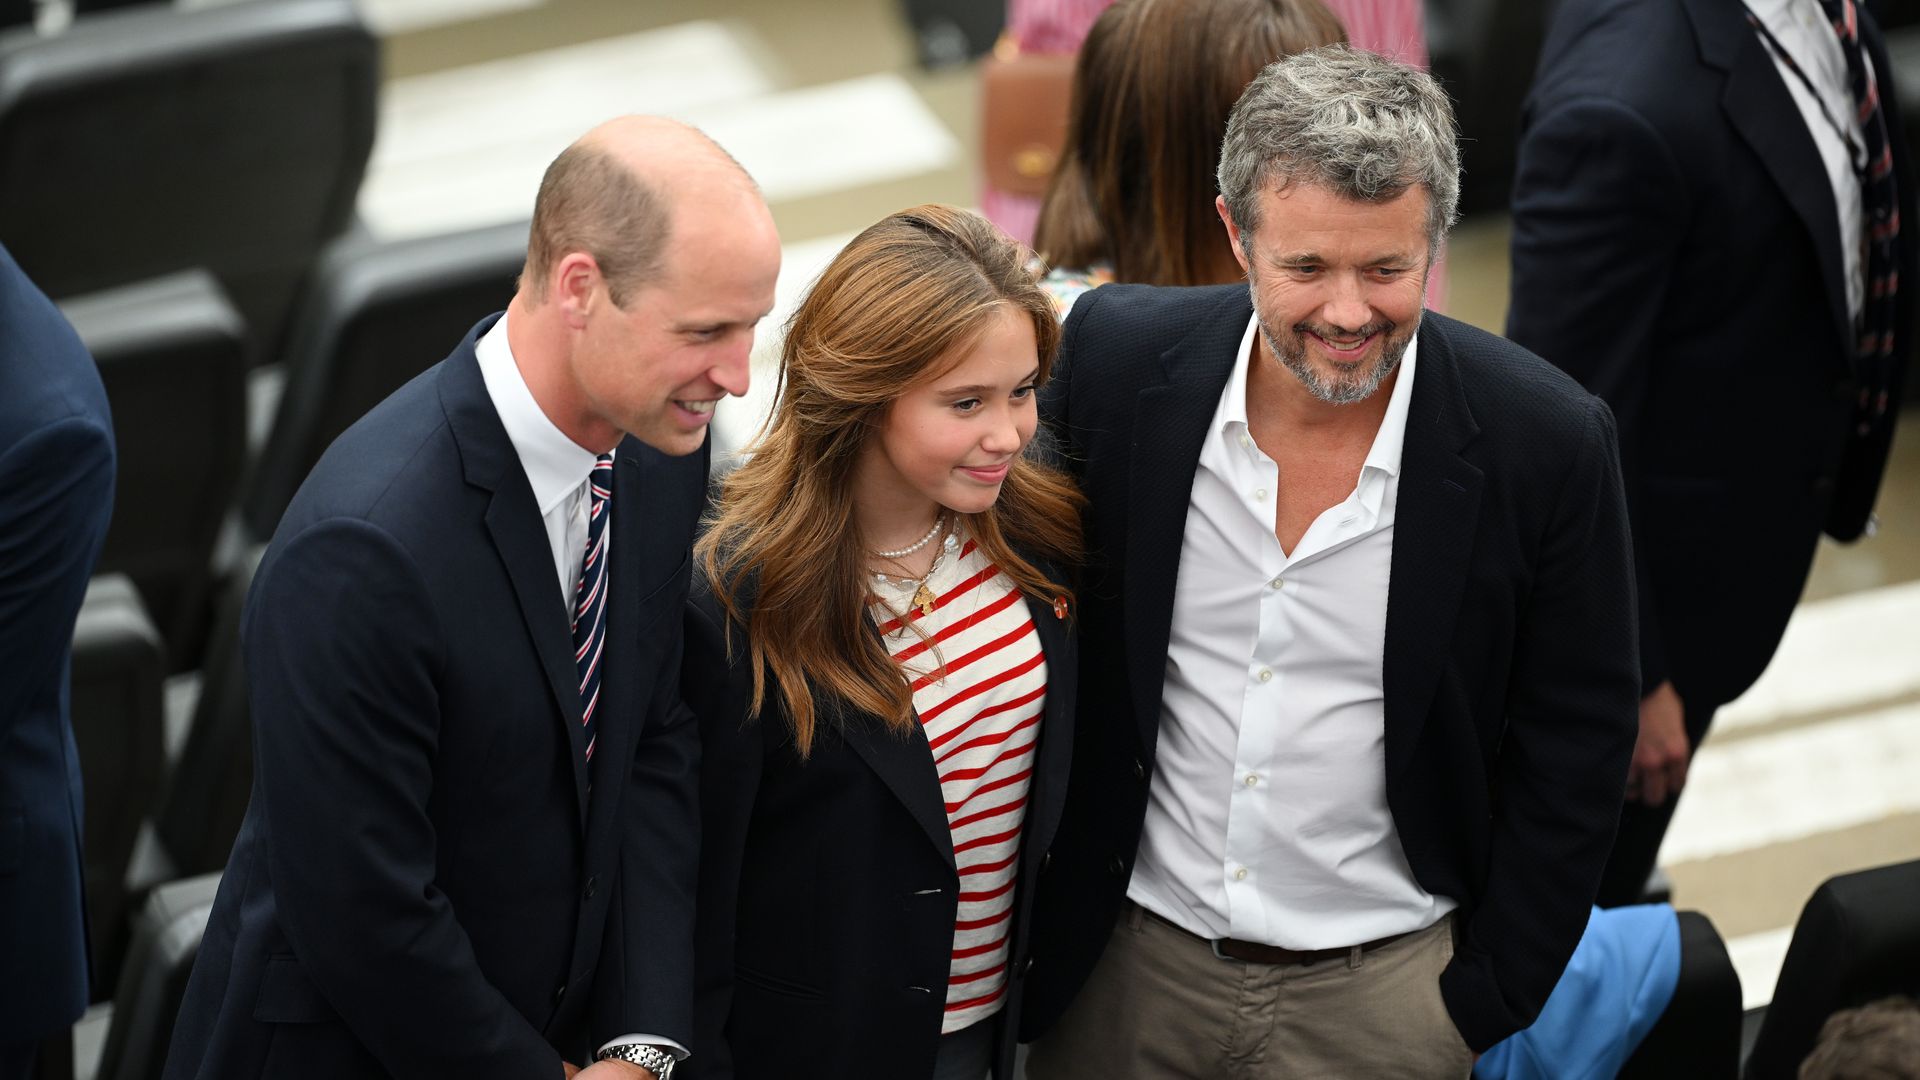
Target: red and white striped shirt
982	719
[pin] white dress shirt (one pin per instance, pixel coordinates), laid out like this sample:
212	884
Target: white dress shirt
1267	817
557	467
1803	31
558	470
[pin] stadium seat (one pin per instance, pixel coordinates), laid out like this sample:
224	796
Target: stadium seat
172	355
204	795
155	139
1698	1035
377	315
117	668
1858	940
166	938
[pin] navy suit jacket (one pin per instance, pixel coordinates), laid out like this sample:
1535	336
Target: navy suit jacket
1511	697
56	494
828	888
1676	248
431	880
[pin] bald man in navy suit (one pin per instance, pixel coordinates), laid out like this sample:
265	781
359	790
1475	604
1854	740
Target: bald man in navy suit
473	840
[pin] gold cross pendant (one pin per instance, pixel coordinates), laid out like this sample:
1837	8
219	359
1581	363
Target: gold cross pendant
923	599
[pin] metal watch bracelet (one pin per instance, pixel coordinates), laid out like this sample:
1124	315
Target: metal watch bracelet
651	1058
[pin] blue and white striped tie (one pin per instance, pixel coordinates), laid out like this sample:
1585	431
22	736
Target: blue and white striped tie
590	597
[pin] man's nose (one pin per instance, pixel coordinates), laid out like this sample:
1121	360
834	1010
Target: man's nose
1347	308
733	371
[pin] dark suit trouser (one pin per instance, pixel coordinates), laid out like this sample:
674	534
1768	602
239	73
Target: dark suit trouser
16	1062
1636	846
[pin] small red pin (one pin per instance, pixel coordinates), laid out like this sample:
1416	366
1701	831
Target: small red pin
1059	607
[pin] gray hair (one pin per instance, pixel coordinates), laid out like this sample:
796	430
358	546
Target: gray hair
1359	124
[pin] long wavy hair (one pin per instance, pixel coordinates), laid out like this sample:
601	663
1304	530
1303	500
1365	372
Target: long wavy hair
900	304
1152	87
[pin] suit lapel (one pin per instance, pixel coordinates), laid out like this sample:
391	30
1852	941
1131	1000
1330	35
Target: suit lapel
1436	515
514	525
1048	793
1762	110
905	764
1170	425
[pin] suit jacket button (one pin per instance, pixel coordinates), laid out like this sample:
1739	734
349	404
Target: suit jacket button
1117	865
1026	969
1046	860
560	994
593	886
1139	770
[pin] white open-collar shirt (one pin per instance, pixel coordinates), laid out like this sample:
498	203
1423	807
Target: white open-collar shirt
1267	817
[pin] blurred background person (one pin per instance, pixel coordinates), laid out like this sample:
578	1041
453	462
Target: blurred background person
1040	36
56	496
887	725
1713	230
1132	199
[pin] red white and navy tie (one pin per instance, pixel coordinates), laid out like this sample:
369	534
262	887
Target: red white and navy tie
1878	188
590	597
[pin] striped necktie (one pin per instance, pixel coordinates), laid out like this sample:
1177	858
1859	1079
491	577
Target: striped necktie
590	596
1879	190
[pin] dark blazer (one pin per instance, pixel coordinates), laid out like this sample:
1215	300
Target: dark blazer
56	494
1510	689
1676	249
430	880
827	888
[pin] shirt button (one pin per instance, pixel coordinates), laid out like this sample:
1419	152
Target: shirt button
1260	494
1264	675
1277	582
1240	874
1252	780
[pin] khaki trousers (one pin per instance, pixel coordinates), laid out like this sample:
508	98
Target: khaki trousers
1160	1004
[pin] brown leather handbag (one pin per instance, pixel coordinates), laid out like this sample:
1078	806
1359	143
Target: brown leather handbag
1024	99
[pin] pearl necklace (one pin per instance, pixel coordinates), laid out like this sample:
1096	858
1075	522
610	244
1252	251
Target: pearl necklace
923	597
939	519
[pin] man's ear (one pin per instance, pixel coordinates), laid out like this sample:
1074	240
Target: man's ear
1233	231
576	287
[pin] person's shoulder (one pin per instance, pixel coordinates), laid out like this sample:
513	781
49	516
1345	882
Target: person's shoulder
394	465
1118	322
48	377
1508	387
1631	52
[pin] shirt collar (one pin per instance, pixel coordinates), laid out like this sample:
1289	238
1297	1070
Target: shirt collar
1388	442
555	465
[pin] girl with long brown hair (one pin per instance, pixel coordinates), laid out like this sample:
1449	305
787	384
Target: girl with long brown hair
879	652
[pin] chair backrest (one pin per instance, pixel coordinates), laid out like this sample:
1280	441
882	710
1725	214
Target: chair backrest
155	139
118	665
1858	940
1698	1034
377	315
166	939
206	796
172	355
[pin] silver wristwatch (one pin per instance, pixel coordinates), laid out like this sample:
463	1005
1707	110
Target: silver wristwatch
651	1058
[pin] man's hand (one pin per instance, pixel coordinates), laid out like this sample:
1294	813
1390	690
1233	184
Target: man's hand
1660	753
614	1069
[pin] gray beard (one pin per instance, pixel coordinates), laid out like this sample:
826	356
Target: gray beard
1347	391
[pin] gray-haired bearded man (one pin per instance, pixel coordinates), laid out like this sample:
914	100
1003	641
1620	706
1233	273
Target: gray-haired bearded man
1358	681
